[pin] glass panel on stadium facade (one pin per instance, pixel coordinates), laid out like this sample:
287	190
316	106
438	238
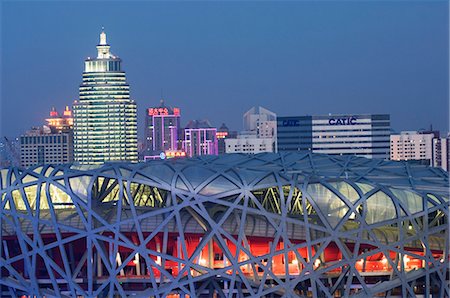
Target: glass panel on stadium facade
379	207
80	186
412	201
346	190
331	206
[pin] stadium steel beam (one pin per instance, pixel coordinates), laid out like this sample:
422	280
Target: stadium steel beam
267	225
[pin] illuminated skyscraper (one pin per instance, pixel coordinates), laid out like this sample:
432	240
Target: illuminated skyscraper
200	138
105	118
162	129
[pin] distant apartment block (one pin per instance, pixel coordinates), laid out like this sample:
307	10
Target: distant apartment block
426	147
441	152
259	134
249	143
40	146
261	121
49	144
223	134
200	138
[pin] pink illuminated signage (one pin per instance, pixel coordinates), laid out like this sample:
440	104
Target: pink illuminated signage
158	111
221	134
163	112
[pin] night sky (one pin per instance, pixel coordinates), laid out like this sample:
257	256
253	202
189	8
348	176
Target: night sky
215	60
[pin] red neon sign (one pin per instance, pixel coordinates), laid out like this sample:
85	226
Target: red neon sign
221	134
158	112
163	112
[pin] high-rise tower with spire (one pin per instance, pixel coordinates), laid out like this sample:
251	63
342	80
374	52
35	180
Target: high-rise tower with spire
105	118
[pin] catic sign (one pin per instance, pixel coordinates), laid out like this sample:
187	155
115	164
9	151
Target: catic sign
342	121
291	122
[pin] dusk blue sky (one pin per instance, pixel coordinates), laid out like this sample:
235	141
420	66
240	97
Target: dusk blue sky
215	60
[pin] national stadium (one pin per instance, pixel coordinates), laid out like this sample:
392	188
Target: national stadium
235	225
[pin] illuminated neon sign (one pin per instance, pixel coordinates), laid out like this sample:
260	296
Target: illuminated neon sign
163	112
342	121
174	153
158	111
221	134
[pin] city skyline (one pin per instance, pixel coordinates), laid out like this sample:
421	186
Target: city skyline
224	149
287	59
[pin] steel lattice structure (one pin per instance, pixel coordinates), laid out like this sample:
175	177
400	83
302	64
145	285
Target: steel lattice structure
266	225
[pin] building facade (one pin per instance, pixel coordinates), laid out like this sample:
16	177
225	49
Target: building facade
259	134
261	121
426	147
51	143
200	138
441	152
162	129
412	145
294	134
223	133
249	143
105	118
40	146
361	135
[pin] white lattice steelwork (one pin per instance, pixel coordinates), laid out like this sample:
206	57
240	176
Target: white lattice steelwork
266	225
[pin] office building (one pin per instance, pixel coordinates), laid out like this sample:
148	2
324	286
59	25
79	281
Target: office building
441	152
200	138
162	129
425	147
412	145
49	144
248	142
40	146
223	133
361	135
261	121
259	134
235	225
294	133
105	118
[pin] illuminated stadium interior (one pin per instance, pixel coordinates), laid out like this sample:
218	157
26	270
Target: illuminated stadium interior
265	225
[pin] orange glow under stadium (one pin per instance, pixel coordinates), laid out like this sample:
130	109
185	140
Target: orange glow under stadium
235	225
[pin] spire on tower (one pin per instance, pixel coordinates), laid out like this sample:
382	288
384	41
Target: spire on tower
103	47
103	37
